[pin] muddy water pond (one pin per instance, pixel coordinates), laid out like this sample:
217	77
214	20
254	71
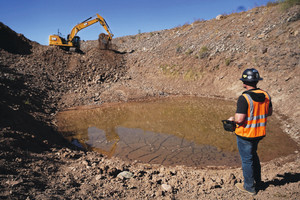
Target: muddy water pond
170	131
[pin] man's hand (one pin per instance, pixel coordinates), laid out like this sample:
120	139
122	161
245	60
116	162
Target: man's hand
231	119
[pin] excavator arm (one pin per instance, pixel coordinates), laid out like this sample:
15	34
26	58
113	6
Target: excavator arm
105	26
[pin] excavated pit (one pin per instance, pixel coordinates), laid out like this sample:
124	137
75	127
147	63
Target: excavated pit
37	81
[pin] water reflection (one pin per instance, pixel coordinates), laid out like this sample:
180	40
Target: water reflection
166	131
98	141
149	147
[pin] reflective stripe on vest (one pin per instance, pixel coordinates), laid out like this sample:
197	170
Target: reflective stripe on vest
256	120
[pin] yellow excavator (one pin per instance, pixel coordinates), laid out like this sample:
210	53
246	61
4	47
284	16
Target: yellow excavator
72	42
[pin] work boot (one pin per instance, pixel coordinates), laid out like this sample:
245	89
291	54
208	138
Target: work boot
240	186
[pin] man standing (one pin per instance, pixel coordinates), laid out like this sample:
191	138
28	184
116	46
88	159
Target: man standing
253	108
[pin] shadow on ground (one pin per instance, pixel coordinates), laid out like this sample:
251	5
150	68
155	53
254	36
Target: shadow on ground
282	179
22	127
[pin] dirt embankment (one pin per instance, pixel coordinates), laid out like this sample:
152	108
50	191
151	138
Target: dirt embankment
205	58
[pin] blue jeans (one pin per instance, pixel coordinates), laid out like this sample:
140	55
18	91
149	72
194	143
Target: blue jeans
250	162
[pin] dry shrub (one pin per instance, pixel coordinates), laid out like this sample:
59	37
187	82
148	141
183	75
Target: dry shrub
271	4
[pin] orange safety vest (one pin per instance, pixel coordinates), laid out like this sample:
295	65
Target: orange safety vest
256	119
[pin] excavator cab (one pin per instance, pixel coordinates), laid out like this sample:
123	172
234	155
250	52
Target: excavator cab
76	42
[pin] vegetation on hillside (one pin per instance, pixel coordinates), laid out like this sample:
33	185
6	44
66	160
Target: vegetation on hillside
289	3
285	4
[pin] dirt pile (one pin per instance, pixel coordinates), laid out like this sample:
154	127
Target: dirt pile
12	42
59	73
203	59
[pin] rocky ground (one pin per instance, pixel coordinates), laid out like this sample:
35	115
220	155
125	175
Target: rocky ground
205	58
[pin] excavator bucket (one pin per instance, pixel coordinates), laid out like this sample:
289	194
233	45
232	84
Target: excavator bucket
104	42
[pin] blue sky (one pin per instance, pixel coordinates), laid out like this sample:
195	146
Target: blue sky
37	19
